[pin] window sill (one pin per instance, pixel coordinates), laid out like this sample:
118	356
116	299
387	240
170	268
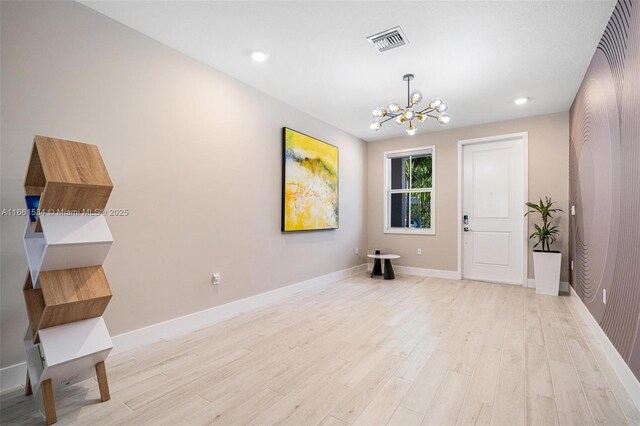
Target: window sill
410	231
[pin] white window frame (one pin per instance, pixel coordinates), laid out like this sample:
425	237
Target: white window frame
388	155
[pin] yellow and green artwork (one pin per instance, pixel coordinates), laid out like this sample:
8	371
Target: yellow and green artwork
310	183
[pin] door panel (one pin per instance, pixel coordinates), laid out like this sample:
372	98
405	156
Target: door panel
492	248
492	180
493	199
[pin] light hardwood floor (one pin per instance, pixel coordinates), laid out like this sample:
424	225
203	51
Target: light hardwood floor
361	351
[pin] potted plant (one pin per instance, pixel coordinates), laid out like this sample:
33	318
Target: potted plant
546	262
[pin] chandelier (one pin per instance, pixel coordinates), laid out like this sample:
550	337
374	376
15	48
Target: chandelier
436	109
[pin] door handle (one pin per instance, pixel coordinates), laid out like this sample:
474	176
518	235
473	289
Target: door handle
465	222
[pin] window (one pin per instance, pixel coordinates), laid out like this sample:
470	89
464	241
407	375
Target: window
409	191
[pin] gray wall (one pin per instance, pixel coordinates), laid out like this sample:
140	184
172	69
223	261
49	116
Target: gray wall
605	183
193	154
548	176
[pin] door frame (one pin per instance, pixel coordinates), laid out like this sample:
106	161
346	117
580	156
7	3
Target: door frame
525	193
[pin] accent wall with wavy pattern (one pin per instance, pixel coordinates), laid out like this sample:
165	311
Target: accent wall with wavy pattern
604	167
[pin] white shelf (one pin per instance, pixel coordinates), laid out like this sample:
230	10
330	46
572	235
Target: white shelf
66	241
35	365
34	245
67	353
75	229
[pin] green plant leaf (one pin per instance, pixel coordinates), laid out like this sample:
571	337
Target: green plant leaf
546	234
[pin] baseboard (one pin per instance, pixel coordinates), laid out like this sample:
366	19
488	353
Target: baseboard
196	320
14	375
422	272
564	285
626	376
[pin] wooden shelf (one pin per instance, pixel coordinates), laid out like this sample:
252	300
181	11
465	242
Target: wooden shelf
70	176
35	306
66	296
33	190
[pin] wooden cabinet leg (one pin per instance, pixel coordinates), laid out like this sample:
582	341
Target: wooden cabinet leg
27	385
49	402
103	384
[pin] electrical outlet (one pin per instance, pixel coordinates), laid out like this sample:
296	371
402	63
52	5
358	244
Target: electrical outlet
357	250
216	278
573	210
419	251
604	296
572	265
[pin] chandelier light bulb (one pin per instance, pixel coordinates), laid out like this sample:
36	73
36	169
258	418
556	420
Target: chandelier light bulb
411	130
442	107
435	103
400	119
379	112
394	108
409	114
444	118
375	125
416	97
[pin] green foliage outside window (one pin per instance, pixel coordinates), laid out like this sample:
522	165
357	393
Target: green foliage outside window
418	170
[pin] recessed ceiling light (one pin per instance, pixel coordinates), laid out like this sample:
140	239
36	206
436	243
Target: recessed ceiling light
521	101
259	56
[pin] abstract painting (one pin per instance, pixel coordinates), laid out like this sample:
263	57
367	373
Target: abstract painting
309	183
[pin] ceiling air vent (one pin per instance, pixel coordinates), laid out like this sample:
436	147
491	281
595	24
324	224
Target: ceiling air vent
388	39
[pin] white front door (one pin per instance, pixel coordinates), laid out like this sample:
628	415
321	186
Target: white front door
493	196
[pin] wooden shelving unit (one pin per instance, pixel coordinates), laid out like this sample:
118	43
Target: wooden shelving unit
69	176
66	290
65	296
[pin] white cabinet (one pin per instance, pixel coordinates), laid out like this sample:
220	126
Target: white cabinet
68	353
66	241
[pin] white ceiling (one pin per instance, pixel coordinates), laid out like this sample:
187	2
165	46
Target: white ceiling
475	55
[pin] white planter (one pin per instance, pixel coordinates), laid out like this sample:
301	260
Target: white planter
546	267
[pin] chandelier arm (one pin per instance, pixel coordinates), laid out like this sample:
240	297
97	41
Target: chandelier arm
381	116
